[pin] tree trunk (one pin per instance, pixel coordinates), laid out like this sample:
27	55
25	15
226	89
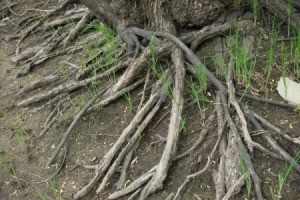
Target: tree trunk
184	13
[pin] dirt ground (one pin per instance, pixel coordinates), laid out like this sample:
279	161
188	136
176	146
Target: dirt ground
23	155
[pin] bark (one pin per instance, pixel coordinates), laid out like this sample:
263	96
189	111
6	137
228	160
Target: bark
282	10
186	13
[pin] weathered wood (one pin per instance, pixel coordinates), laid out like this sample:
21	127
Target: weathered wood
186	13
281	9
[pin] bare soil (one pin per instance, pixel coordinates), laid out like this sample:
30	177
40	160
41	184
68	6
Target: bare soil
23	155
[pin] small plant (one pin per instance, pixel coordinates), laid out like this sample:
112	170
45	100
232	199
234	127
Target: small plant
157	68
243	63
5	158
270	56
183	125
284	57
244	60
111	41
77	103
244	171
54	190
153	62
194	92
16	128
221	66
65	73
105	56
42	196
295	54
201	78
255	10
277	193
127	96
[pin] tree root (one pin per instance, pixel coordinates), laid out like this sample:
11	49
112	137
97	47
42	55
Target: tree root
141	118
42	53
201	137
268	101
172	81
85	19
53	117
191	176
60	167
280	8
38	23
161	140
125	166
219	174
272	142
174	128
87	108
76	118
70	86
236	187
47	80
276	129
63	21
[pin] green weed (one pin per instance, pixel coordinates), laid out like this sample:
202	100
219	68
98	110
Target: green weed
271	52
284	59
77	103
54	190
277	193
16	128
157	68
196	91
128	99
42	196
64	71
201	79
244	60
244	171
105	56
255	10
295	54
153	62
183	125
219	62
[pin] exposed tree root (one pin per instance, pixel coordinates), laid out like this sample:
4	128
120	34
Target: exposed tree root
125	166
191	176
70	86
89	107
281	9
276	129
76	118
57	111
47	80
272	142
63	21
219	174
38	23
201	137
133	128
268	101
60	165
170	84
87	16
174	128
236	187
